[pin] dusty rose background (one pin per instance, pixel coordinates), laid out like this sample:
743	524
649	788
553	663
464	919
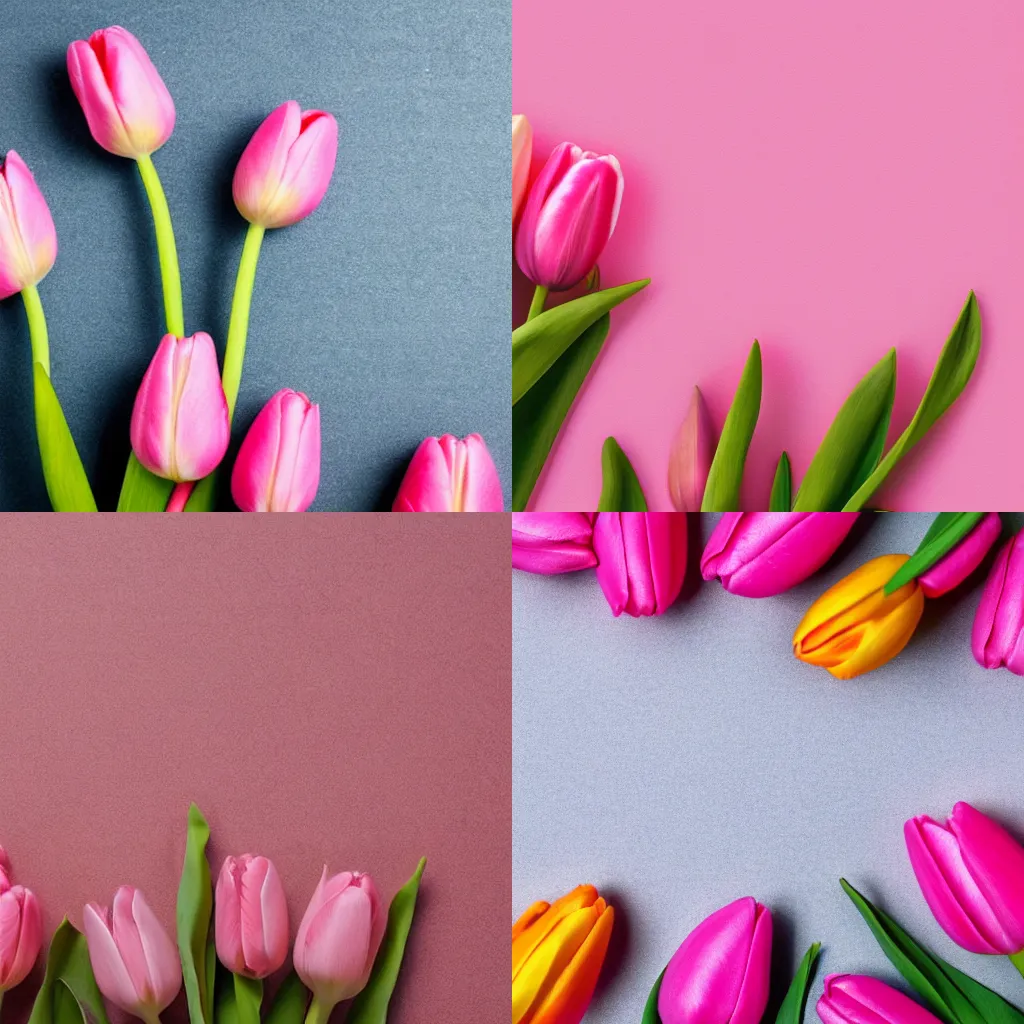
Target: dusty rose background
328	688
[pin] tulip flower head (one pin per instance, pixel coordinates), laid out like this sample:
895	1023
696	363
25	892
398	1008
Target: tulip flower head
447	474
28	239
552	542
570	214
557	953
690	460
952	569
251	926
522	152
21	929
854	627
285	169
997	638
134	960
971	872
128	108
855	999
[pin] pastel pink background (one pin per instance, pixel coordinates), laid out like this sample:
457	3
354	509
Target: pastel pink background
830	178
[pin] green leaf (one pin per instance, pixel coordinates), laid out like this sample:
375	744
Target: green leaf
950	376
946	531
792	1009
651	1015
204	495
540	413
620	488
225	1010
538	343
143	491
195	904
854	443
248	999
782	488
722	492
289	1005
69	987
66	482
371	1005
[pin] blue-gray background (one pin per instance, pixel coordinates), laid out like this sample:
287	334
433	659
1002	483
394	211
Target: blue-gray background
389	306
683	761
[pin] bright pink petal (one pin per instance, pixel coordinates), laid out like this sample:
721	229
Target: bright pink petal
262	164
307	172
853	999
90	87
481	491
949	572
552	542
427	484
201	425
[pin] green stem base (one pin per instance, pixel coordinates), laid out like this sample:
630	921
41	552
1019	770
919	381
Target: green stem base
318	1013
540	296
37	331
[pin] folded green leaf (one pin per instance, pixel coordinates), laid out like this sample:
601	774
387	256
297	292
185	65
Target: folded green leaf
69	994
289	1006
204	495
143	491
620	488
538	343
950	376
66	482
651	1015
722	491
539	415
195	904
782	488
946	531
854	443
792	1009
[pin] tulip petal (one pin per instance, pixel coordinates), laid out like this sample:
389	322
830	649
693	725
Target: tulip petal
162	966
481	486
532	913
111	974
307	171
228	918
35	228
530	937
552	542
338	942
89	85
691	455
522	151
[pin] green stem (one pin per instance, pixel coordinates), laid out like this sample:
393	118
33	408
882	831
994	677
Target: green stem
238	326
170	275
37	332
540	296
318	1013
248	999
1017	959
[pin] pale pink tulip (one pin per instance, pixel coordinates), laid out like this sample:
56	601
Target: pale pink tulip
251	925
450	475
522	152
21	928
134	960
690	459
180	427
129	110
951	570
278	465
285	169
28	239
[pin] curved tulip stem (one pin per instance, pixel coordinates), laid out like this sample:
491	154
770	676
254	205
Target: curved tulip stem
1017	959
179	496
318	1012
540	296
238	327
37	332
170	275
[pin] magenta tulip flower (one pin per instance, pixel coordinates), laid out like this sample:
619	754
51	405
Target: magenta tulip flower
856	999
278	465
951	570
720	974
641	560
21	929
570	214
28	239
553	542
998	635
179	426
251	924
285	169
128	108
338	938
134	960
450	475
760	554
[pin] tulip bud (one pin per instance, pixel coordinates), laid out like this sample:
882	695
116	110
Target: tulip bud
720	974
285	169
971	872
570	214
129	110
251	926
552	542
954	567
760	554
557	953
180	428
21	929
997	638
690	459
522	152
855	999
641	560
28	239
134	960
339	936
278	465
449	475
854	627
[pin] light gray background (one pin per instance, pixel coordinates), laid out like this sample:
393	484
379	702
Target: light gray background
389	306
681	762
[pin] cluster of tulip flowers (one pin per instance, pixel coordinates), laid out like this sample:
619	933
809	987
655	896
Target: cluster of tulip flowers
970	871
856	626
348	946
181	420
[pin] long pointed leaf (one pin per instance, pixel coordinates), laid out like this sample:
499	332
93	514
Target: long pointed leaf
289	1006
792	1009
195	905
782	487
143	491
68	983
651	1015
66	482
620	488
946	531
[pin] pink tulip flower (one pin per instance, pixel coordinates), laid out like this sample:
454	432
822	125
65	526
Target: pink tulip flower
21	929
522	152
951	570
450	475
641	560
720	974
134	960
971	872
553	542
570	214
339	936
278	465
855	999
997	638
180	428
251	925
690	459
760	554
28	239
129	110
285	169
